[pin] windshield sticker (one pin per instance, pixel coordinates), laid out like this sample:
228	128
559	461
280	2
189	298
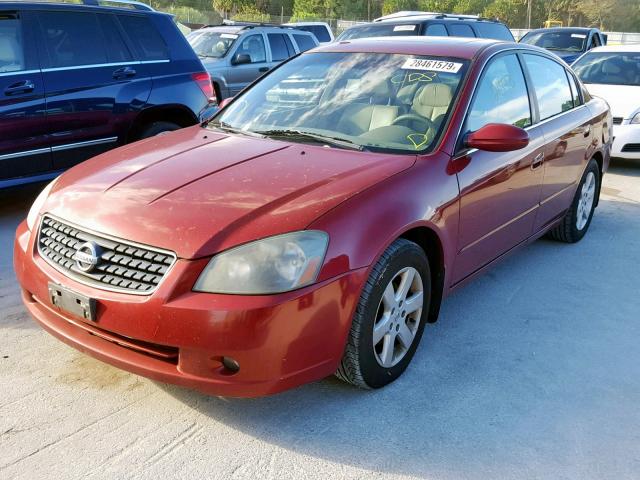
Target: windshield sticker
228	35
404	28
578	35
412	77
433	65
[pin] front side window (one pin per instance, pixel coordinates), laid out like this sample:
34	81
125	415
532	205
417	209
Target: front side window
501	96
11	44
253	45
561	41
211	44
610	68
72	39
373	101
550	84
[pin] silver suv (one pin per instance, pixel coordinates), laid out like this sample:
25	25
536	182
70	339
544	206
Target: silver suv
235	54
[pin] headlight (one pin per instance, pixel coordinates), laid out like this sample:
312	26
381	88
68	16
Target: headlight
635	119
32	218
272	265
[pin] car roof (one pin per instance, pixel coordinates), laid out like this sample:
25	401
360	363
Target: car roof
634	48
425	17
240	29
75	6
459	47
564	29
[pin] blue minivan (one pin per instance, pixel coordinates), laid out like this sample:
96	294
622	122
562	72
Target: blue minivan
79	79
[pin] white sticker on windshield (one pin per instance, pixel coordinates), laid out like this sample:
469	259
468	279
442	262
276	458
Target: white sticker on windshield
228	35
578	35
404	28
432	65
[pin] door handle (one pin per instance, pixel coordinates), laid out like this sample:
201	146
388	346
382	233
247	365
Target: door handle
587	131
20	87
538	160
263	69
125	72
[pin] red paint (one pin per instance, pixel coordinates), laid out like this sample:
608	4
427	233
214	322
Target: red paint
197	192
498	137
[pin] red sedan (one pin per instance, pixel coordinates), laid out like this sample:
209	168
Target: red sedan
316	223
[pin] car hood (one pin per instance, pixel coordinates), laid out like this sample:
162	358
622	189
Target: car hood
197	192
619	97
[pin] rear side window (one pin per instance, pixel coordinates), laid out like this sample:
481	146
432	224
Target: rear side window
550	84
501	96
320	31
117	50
459	30
72	39
145	37
278	44
436	30
304	42
493	30
11	44
577	101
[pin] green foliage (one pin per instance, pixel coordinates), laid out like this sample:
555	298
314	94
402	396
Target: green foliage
250	13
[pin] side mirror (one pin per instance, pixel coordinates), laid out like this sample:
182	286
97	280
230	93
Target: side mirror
224	103
498	137
241	59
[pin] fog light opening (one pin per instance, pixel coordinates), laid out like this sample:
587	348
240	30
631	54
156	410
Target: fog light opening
230	365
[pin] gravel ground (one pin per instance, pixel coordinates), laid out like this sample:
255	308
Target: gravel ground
533	371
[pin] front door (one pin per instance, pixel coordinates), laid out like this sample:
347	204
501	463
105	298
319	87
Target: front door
499	191
241	75
24	147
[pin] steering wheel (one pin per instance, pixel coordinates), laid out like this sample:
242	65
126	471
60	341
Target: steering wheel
413	117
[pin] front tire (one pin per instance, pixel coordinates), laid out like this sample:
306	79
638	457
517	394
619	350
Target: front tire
576	221
389	319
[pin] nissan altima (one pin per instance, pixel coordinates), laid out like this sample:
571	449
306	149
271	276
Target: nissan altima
315	224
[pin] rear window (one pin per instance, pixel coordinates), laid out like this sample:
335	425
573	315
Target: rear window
145	37
320	31
380	30
493	30
304	42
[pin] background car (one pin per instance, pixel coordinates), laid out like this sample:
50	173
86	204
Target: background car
321	30
613	73
235	54
566	42
429	24
77	80
277	245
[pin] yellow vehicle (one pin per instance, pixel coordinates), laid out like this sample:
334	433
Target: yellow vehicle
552	23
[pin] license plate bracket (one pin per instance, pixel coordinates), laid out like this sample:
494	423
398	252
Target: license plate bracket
69	301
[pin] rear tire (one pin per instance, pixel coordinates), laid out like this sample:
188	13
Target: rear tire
389	318
576	221
157	128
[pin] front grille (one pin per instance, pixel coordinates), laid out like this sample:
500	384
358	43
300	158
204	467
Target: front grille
631	147
122	266
617	120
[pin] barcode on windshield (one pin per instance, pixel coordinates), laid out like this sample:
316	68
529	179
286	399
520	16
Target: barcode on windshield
432	65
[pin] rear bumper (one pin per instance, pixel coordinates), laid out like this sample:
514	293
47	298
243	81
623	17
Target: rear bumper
179	336
626	136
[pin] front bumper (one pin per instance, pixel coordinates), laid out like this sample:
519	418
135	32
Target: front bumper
626	136
179	336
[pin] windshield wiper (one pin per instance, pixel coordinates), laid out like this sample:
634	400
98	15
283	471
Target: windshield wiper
225	127
323	139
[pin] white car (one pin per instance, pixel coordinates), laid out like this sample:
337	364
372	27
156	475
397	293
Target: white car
321	30
613	73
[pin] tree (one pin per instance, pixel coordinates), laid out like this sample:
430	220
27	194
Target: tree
392	6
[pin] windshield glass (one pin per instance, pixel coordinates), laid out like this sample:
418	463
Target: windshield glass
563	41
210	44
612	68
372	101
380	30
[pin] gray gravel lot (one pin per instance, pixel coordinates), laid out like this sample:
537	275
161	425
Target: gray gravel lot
533	371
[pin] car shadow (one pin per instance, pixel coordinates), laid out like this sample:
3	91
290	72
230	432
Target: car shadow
532	370
624	166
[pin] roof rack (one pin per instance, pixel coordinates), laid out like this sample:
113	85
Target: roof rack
408	14
245	25
120	3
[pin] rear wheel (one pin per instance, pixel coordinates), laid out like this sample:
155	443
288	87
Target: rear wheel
157	128
576	221
389	318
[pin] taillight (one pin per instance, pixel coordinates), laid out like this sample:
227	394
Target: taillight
203	79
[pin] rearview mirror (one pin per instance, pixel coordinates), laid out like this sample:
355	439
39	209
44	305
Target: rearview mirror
498	137
241	59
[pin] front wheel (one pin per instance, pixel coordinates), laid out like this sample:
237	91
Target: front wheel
389	318
576	221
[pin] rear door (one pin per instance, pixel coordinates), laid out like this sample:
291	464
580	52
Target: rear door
89	74
280	47
24	146
241	75
566	125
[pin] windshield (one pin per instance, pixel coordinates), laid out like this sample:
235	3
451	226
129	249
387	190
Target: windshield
210	44
380	30
562	41
366	101
612	68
